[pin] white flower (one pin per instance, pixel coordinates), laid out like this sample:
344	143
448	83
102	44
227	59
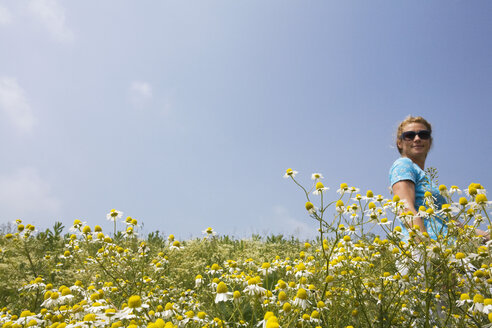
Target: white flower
223	295
487	308
343	188
300	302
481	204
478	303
351	230
266	268
198	281
290	173
209	232
353	189
319	188
385	221
448	209
169	311
254	288
176	245
455	189
464	299
77	225
25	318
302	271
113	215
36	284
97	307
316	176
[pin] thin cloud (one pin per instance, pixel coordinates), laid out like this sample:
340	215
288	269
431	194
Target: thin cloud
5	16
140	93
25	194
52	15
14	105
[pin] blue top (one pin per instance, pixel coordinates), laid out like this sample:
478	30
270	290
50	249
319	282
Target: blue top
404	169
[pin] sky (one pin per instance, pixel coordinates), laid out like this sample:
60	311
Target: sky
185	114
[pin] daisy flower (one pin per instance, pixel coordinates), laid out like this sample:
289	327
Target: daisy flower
481	201
266	268
487	305
209	232
290	173
455	189
176	245
302	271
353	190
254	287
464	299
223	294
269	321
340	206
198	281
301	299
385	221
319	188
113	215
369	195
343	188
169	310
310	207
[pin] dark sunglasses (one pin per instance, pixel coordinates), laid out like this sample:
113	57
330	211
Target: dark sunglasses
410	135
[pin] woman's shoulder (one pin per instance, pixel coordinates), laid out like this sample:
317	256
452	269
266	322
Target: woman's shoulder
402	162
404	169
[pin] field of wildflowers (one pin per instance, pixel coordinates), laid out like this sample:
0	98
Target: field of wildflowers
346	277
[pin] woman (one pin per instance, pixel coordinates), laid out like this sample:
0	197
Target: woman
408	179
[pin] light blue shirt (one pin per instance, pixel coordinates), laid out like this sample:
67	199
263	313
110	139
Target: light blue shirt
404	169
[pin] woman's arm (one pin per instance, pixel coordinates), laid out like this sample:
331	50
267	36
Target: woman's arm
405	189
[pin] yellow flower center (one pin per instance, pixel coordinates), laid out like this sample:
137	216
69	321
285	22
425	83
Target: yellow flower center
90	317
460	256
302	294
478	298
480	199
134	301
222	288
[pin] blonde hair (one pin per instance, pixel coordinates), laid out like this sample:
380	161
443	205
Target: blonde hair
408	120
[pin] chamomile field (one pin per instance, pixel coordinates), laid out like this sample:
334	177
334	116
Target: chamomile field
84	276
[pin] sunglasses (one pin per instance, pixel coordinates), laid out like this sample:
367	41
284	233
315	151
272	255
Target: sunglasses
410	135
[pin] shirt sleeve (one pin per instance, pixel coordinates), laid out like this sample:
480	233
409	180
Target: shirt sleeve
401	170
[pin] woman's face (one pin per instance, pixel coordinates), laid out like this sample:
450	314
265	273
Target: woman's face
416	148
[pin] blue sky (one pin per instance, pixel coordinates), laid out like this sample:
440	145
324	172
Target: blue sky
185	115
